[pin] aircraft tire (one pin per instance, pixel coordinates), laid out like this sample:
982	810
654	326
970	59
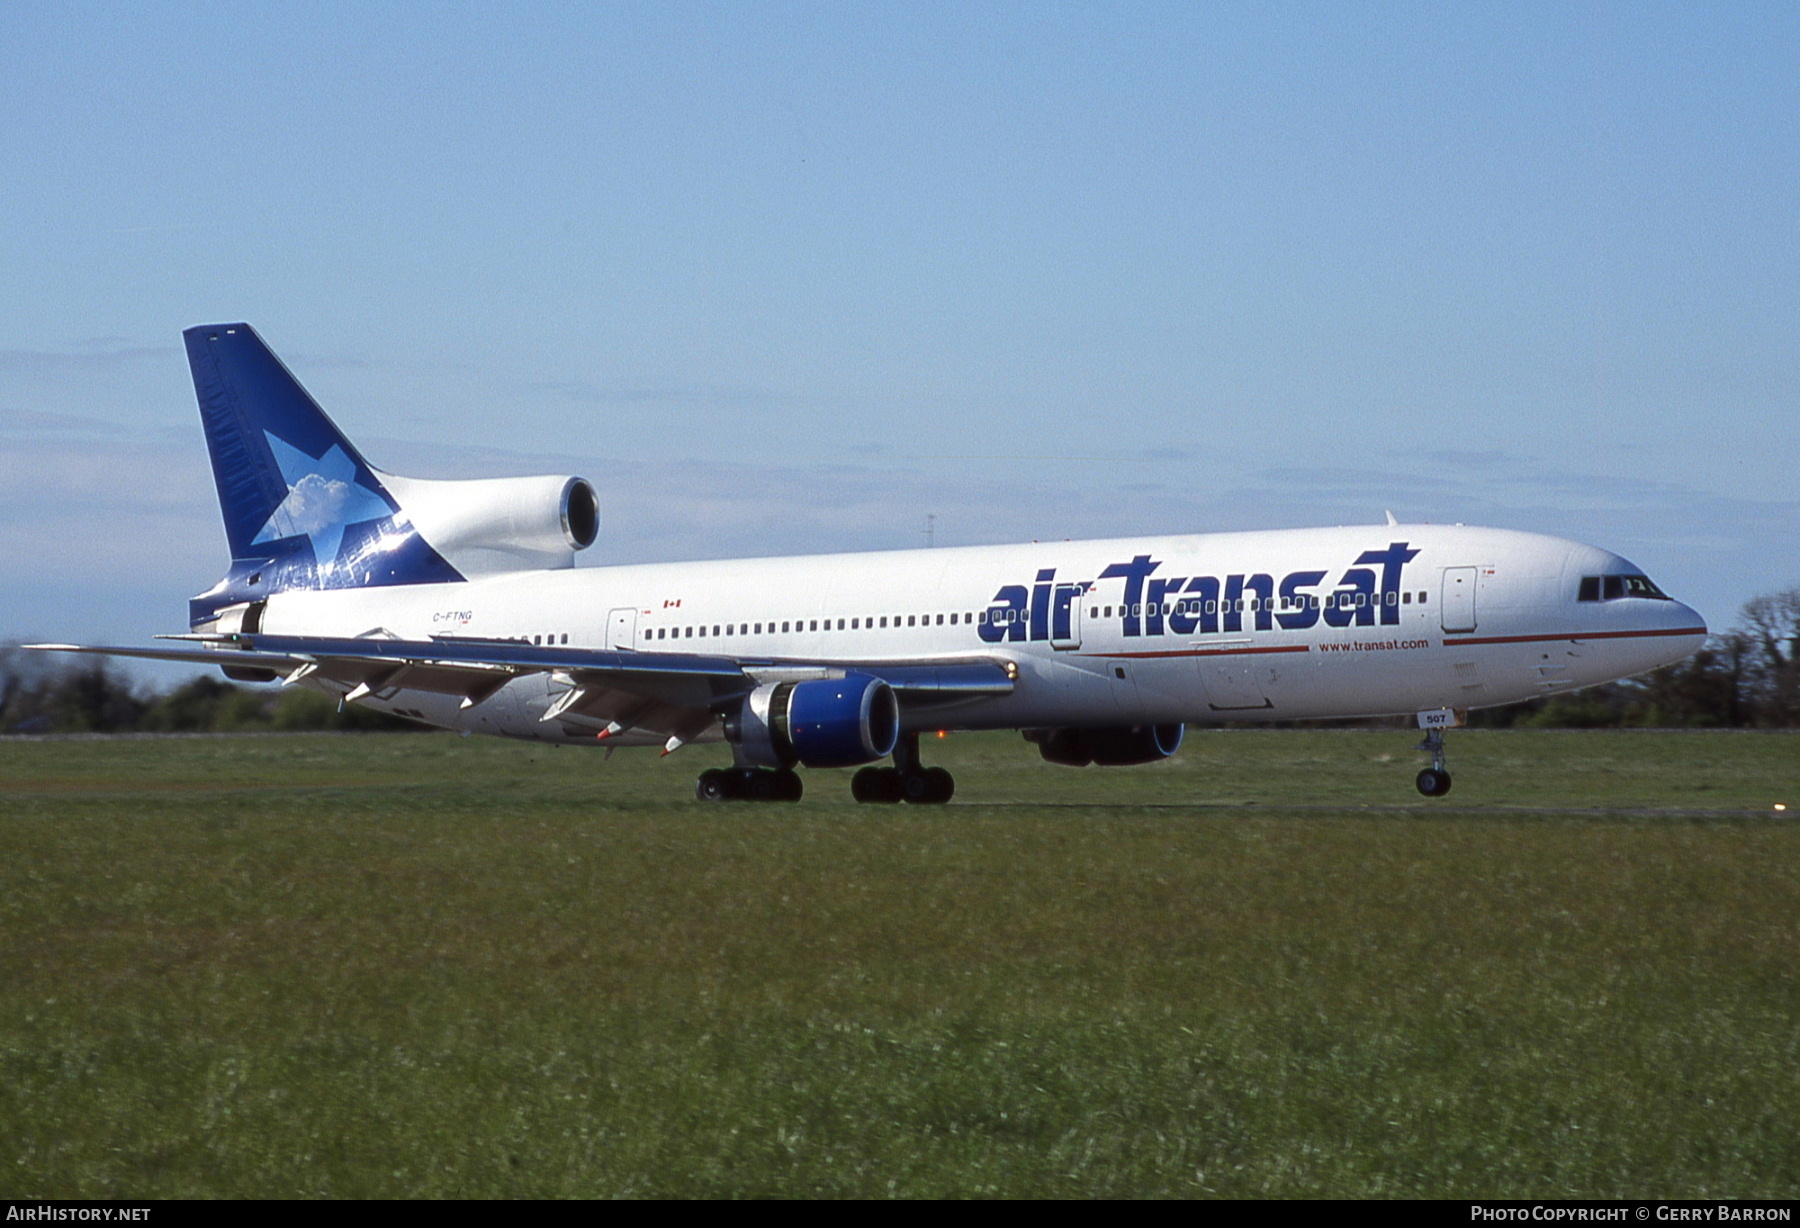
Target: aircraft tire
875	784
943	785
1433	783
787	786
713	786
930	787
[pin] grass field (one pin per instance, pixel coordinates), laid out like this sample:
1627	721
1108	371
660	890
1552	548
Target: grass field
419	965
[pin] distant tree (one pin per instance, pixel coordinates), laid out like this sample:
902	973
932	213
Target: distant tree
1770	626
41	693
41	696
1702	690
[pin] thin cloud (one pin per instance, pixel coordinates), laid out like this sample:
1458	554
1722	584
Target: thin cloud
674	394
80	360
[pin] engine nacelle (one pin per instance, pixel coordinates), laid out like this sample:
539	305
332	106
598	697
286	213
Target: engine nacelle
1121	746
823	722
489	525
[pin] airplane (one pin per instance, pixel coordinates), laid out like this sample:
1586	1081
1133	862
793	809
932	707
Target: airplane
457	604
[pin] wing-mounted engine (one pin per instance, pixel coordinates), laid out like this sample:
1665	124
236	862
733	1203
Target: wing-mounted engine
1115	747
823	722
491	525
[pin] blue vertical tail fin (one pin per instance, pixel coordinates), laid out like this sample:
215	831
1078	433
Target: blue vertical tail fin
302	508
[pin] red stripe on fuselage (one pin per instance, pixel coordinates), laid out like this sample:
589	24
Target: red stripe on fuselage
1578	635
1204	652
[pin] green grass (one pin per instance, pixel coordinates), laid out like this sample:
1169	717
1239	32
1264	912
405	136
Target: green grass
428	966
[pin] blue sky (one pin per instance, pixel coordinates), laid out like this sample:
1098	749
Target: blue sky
793	277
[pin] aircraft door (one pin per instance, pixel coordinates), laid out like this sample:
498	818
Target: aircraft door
1458	608
621	629
1065	618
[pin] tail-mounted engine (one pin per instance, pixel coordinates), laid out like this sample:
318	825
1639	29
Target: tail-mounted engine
824	722
490	525
1116	747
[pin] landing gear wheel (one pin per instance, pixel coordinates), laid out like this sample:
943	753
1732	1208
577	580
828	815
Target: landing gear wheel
747	784
787	785
1434	782
875	784
943	785
915	788
930	787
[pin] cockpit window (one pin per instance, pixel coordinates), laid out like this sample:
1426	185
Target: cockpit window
1612	588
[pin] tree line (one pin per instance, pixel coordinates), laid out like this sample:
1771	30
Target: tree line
46	693
1747	677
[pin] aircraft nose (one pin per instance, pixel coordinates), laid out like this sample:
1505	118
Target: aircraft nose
1687	616
1687	629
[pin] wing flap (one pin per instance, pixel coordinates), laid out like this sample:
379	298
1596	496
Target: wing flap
674	693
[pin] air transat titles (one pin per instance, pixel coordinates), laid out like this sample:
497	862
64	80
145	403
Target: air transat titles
1366	594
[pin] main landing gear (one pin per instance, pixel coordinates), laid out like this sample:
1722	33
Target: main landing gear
748	785
906	781
1434	781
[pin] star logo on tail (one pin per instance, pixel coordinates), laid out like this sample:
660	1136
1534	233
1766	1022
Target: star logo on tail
323	499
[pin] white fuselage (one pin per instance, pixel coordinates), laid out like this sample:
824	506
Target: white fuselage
1203	628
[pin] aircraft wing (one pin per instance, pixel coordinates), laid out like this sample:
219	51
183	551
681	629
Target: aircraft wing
674	694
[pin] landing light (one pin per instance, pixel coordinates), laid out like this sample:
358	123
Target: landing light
1779	806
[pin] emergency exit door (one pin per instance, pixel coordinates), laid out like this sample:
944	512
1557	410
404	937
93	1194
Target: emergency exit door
621	629
1458	606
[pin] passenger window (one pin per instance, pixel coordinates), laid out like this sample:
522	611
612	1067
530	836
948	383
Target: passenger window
912	620
884	620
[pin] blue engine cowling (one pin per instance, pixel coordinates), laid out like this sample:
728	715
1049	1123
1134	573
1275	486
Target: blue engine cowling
823	722
1115	747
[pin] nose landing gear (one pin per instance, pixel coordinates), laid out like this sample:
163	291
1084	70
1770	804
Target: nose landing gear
1434	781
